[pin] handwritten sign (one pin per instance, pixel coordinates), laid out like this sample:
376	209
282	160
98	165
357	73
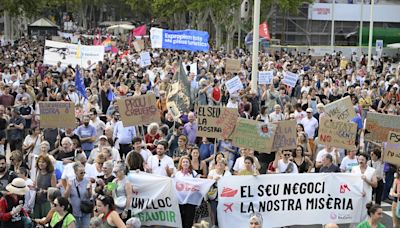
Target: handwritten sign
138	110
265	77
232	65
207	118
254	135
227	120
290	79
392	148
138	45
145	59
337	133
285	135
57	114
341	109
234	84
378	126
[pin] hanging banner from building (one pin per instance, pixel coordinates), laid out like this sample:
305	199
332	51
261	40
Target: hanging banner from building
340	134
51	114
190	40
254	135
191	190
154	200
71	54
319	198
378	125
234	85
341	109
207	119
285	135
392	149
290	79
265	77
138	110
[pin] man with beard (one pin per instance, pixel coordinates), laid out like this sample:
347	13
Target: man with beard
11	205
26	112
87	135
5	175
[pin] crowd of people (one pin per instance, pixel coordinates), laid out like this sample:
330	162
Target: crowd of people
91	189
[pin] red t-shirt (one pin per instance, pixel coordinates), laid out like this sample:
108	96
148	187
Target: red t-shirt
216	94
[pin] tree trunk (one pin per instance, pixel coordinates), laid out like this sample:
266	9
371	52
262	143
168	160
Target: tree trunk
218	30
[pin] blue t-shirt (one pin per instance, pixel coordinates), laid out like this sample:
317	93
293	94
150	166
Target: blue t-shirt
84	132
206	150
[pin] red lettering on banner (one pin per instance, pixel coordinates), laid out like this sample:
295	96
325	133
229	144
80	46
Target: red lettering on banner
184	187
326	138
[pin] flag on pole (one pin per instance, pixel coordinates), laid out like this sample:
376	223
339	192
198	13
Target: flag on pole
139	31
263	33
107	43
80	87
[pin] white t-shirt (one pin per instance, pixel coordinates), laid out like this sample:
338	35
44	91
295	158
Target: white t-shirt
158	166
282	166
180	174
323	152
369	173
239	164
310	125
213	174
347	164
114	154
298	116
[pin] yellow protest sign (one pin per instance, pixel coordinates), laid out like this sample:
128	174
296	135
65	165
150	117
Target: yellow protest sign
337	133
57	114
392	149
138	110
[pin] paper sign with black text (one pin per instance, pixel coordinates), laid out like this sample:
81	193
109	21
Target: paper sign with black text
207	119
341	109
138	110
265	77
57	114
340	134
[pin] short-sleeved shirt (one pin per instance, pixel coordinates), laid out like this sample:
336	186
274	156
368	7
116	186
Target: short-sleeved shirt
158	166
365	224
85	132
56	218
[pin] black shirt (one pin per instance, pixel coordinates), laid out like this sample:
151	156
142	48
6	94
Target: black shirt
26	110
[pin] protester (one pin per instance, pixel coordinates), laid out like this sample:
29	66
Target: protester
12	213
328	166
375	214
282	162
377	164
256	220
395	193
122	194
52	194
62	216
110	218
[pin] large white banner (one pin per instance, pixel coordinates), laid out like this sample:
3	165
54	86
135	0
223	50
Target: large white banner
191	190
154	200
352	12
309	198
73	54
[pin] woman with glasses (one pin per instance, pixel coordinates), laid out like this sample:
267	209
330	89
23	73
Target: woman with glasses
16	159
282	162
77	191
45	178
122	194
62	216
106	209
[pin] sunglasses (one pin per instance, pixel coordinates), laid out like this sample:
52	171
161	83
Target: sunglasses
82	173
159	163
287	155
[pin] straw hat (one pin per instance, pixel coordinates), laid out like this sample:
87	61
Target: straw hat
18	187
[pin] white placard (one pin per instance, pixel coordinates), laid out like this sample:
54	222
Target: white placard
265	77
73	54
145	59
233	85
290	79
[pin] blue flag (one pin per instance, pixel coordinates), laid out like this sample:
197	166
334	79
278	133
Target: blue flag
80	87
110	95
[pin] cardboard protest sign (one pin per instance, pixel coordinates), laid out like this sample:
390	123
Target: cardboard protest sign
254	135
265	77
57	114
227	120
337	133
234	84
145	59
138	45
207	118
290	79
138	110
285	135
277	198
341	109
378	126
392	149
232	65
